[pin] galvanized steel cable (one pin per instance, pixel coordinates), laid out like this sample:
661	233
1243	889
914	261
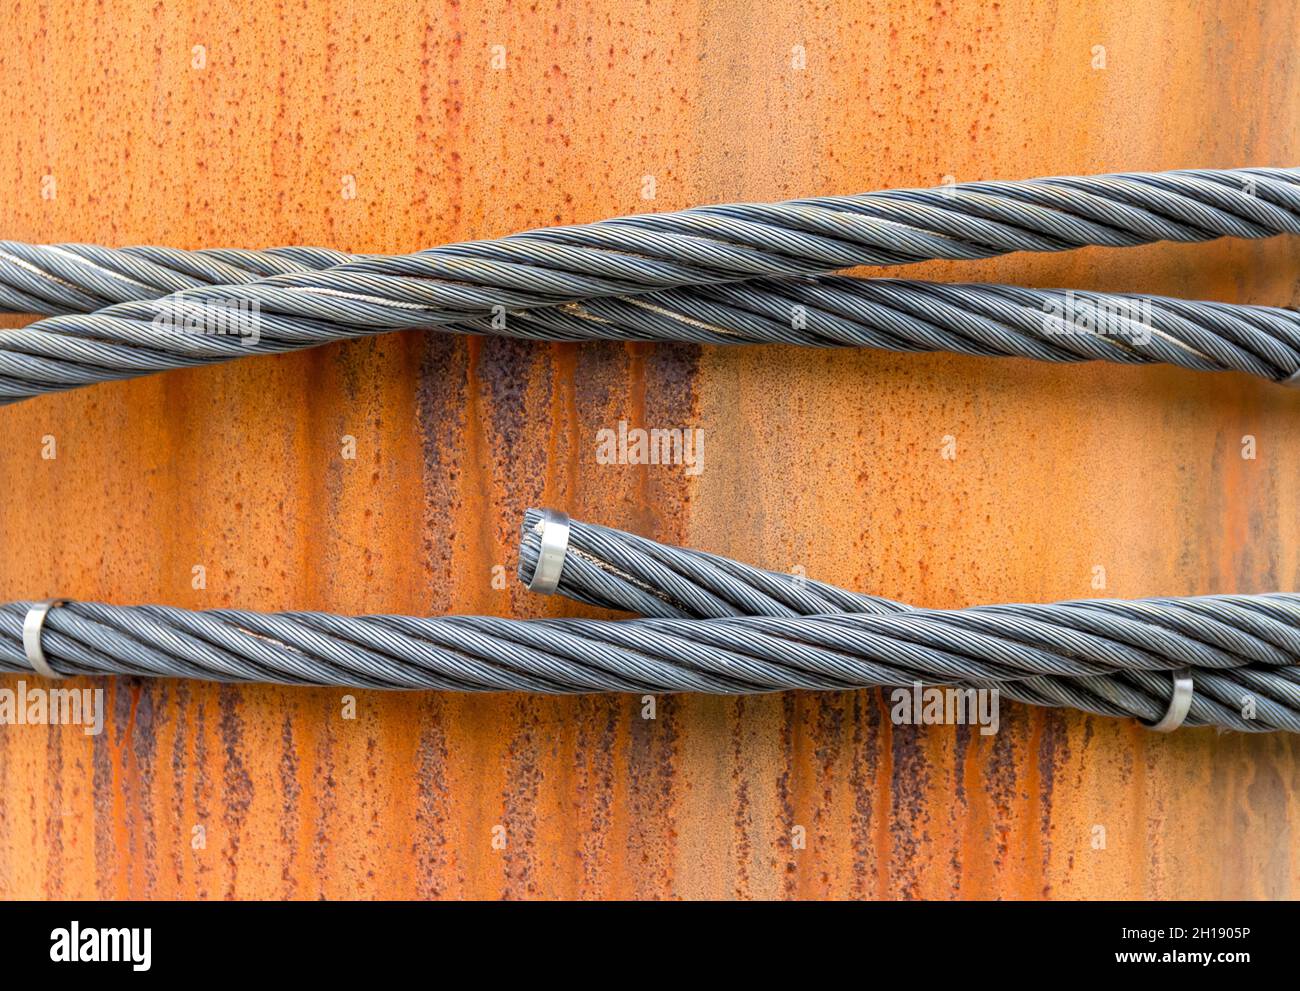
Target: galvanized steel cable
730	273
710	244
1110	657
1058	325
827	311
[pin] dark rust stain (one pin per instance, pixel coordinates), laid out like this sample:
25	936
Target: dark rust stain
523	853
652	796
434	805
594	759
742	810
237	784
909	811
291	793
862	777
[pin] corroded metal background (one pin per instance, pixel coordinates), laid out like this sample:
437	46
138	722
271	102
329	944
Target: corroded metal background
826	461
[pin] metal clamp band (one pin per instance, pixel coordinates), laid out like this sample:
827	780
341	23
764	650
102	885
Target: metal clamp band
32	624
554	528
1179	703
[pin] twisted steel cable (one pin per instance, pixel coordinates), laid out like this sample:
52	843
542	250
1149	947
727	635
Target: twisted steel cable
1112	657
689	275
1059	325
710	244
886	314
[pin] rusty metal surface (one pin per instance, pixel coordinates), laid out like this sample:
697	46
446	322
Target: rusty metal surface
826	461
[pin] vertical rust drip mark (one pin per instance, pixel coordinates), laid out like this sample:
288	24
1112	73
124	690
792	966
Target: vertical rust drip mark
143	739
1034	867
434	808
290	813
178	809
519	804
54	814
742	847
863	776
1054	754
885	799
653	795
598	722
201	789
325	772
237	785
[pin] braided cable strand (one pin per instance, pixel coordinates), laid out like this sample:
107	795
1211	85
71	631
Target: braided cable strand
1108	657
886	314
1237	647
703	245
614	569
731	273
82	278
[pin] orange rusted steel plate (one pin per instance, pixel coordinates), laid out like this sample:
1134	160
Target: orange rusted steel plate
367	127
